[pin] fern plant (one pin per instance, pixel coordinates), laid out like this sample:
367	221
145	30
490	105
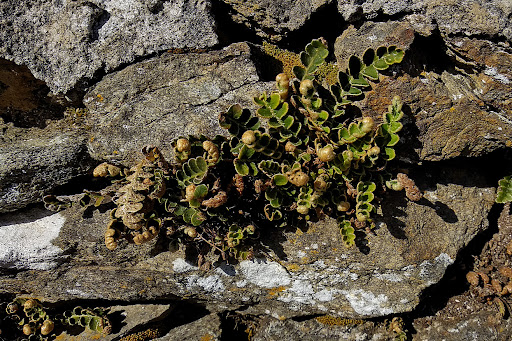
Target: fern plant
313	157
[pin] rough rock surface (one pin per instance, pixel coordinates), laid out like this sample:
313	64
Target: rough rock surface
155	101
464	110
468	17
133	318
26	240
270	328
456	85
64	42
34	161
205	328
272	19
309	272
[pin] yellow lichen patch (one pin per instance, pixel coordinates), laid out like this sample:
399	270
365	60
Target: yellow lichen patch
207	337
288	58
293	267
100	97
275	291
329	73
337	321
145	335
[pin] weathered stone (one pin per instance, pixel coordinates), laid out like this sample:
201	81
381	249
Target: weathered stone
64	42
369	9
133	318
155	101
371	35
26	240
206	328
471	17
456	113
450	117
478	313
468	17
482	325
331	328
308	273
274	19
33	161
24	100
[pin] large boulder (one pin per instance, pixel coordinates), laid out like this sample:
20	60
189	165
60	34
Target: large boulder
65	42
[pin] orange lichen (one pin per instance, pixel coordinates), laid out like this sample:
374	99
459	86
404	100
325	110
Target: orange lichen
207	337
145	335
288	58
275	291
337	321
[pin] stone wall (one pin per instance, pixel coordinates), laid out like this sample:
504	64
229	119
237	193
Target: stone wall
149	71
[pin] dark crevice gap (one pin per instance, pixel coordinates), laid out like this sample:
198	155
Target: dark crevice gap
435	298
428	54
227	29
24	100
235	326
326	22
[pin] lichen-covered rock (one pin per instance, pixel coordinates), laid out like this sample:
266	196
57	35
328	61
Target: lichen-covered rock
307	271
173	95
34	161
64	42
274	19
456	112
321	328
205	328
354	10
468	17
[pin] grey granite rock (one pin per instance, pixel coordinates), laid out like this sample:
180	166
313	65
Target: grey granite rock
274	19
64	42
34	161
466	17
155	101
304	272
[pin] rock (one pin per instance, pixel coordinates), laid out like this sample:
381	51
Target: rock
467	17
354	9
456	113
34	161
478	313
371	35
27	240
155	101
64	43
127	320
483	325
205	328
307	273
23	99
274	19
471	17
320	328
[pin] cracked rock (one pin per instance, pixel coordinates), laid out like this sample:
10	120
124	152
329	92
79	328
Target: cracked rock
65	42
155	101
